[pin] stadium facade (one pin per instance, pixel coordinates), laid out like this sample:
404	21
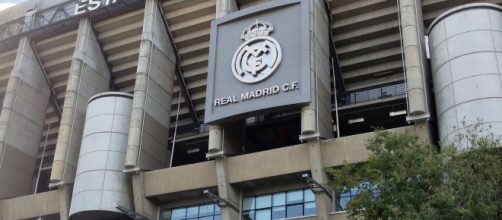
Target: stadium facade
227	109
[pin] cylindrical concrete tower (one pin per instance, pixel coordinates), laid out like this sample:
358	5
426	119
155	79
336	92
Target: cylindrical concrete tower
466	57
100	185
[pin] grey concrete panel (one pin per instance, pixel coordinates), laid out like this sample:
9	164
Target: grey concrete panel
289	18
88	76
21	122
100	184
466	44
152	95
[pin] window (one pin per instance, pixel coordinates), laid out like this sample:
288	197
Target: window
342	198
195	212
279	205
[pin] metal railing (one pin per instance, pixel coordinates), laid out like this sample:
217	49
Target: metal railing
375	94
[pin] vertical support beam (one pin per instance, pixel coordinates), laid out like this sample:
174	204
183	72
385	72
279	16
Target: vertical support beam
221	144
151	109
22	122
224	7
323	202
225	190
64	202
89	75
316	119
413	52
413	46
142	205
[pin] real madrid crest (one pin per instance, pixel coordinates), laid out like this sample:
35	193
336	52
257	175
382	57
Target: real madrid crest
259	56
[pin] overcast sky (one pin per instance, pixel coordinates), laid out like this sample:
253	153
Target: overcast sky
8	3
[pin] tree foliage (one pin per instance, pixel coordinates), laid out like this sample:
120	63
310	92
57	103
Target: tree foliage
417	181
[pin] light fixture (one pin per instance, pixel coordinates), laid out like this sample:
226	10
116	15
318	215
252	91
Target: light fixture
356	120
396	113
316	186
220	201
193	150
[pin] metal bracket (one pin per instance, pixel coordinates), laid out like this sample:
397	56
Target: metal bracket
52	92
316	186
131	214
422	117
131	170
220	201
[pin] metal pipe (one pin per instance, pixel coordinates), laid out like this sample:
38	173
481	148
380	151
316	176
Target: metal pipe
175	131
336	100
42	159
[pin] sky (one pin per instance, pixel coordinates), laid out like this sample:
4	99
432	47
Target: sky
8	3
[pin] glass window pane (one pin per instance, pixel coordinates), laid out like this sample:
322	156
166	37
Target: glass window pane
217	217
165	214
309	195
248	215
206	210
294	210
178	214
279	212
192	212
263	214
264	201
294	197
206	218
279	199
309	208
248	203
342	204
217	210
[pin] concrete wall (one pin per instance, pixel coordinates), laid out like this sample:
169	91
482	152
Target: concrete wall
179	179
89	75
22	122
30	206
148	132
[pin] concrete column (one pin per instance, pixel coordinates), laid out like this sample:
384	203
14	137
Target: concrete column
151	109
414	52
225	190
323	202
89	75
64	202
224	7
316	119
221	144
142	205
21	122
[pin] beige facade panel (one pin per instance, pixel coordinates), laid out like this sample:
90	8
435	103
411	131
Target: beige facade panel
269	163
30	206
179	179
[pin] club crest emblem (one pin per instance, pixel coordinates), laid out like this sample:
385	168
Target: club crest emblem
259	56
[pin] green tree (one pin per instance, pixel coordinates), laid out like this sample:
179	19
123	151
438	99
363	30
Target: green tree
414	180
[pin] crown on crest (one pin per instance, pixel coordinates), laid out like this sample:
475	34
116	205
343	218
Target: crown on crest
259	28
